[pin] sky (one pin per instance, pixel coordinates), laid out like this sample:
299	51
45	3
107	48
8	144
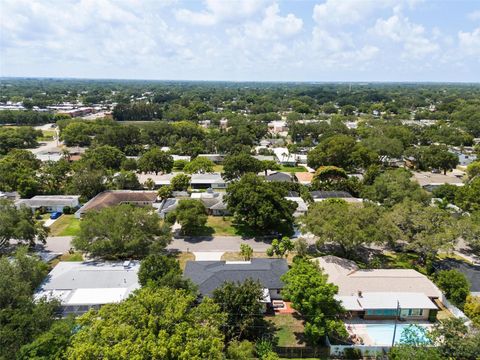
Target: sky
242	40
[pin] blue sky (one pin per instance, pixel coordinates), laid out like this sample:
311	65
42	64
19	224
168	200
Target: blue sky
242	40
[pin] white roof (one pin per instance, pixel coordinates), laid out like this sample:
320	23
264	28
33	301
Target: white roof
389	300
350	279
101	296
350	303
207	178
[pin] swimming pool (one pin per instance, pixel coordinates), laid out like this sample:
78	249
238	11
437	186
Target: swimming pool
382	334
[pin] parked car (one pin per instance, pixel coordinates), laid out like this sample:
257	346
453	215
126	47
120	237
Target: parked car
55	215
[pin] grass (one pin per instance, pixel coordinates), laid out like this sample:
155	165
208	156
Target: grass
221	225
66	225
292	169
47	135
183	257
218	168
235	256
289	329
75	256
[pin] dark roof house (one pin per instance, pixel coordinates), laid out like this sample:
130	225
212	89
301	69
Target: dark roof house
209	275
279	176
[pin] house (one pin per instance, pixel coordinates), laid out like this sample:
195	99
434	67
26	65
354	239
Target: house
116	197
159	180
277	176
430	181
167	206
49	155
80	286
216	158
213	202
50	203
205	181
210	275
277	126
301	205
318	196
284	157
304	178
374	294
9	195
265	157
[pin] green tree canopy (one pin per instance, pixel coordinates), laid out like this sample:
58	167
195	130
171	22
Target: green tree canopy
104	157
454	284
155	160
392	187
200	165
235	166
242	302
180	182
155	323
191	214
260	205
347	225
313	296
20	224
121	231
162	270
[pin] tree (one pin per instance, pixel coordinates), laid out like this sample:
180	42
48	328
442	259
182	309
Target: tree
280	248
21	318
149	184
20	224
260	205
50	344
18	173
433	157
301	247
235	166
165	192
246	251
126	180
122	231
180	182
162	270
454	284
104	157
200	165
470	230
347	225
472	309
240	350
191	214
468	197
454	340
392	187
155	160
425	230
242	302
413	346
154	323
87	183
473	169
313	296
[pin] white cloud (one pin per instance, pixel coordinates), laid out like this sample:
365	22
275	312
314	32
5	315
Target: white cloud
470	42
474	15
220	10
413	37
274	26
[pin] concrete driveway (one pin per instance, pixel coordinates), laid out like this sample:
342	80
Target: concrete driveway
217	243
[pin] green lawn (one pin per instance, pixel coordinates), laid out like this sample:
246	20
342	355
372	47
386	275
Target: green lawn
47	135
221	225
292	169
218	168
66	225
289	329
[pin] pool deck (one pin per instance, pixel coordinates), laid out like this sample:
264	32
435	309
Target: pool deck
357	329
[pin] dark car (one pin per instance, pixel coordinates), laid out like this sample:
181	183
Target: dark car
55	215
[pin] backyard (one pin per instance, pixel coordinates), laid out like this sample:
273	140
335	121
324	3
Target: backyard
289	329
66	225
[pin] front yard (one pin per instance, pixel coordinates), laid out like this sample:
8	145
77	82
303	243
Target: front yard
65	225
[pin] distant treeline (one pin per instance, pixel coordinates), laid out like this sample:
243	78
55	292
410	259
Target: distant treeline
26	117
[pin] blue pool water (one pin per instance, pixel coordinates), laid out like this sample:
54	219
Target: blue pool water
382	334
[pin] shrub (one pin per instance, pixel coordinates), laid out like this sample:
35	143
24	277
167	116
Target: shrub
454	284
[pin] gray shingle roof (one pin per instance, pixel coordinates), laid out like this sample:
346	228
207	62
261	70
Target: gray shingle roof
209	275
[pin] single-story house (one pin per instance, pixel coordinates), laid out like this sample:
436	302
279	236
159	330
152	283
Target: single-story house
277	126
301	205
216	158
50	203
284	157
278	176
116	197
80	286
351	280
210	275
167	206
181	157
159	180
430	181
9	195
265	157
49	155
205	181
318	195
389	305
213	202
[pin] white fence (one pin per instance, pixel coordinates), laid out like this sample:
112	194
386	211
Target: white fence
453	309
